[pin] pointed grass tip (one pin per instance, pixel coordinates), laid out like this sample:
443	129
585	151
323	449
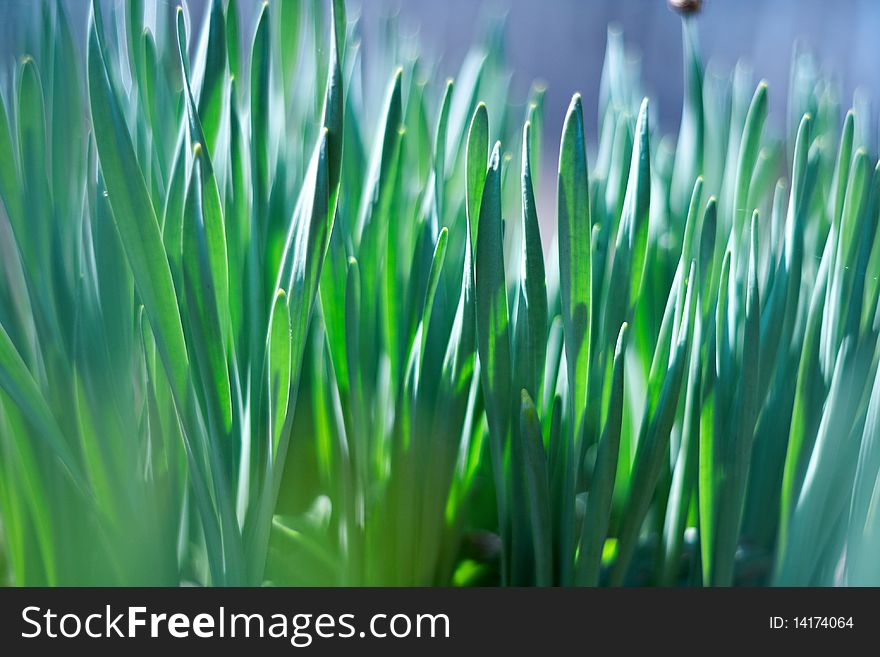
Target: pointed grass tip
495	157
622	337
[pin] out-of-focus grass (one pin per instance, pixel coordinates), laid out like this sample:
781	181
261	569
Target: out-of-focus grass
271	312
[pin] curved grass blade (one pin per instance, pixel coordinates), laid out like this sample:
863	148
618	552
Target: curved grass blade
301	263
493	339
475	168
738	456
213	225
136	221
205	317
279	369
538	486
260	108
689	149
653	444
533	286
630	250
748	156
233	46
213	77
810	394
598	510
574	227
440	136
33	236
10	183
18	383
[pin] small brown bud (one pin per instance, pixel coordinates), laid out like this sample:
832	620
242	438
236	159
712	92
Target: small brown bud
685	7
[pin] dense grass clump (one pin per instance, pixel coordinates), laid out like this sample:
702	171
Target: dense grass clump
260	325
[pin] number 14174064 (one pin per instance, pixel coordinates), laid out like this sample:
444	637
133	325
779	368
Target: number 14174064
811	622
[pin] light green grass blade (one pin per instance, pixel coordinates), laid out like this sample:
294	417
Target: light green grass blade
213	78
599	500
493	337
205	317
278	381
136	220
653	444
574	228
533	286
18	383
477	154
538	491
738	456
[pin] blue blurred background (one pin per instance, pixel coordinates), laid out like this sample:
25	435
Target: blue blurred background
562	42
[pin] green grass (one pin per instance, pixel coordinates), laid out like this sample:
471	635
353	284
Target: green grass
262	323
